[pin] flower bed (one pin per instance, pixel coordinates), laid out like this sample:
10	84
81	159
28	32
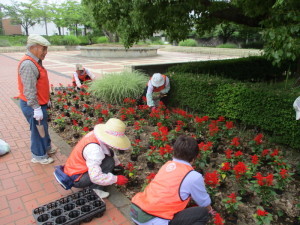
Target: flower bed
248	179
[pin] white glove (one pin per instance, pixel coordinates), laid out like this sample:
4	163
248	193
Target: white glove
49	104
38	113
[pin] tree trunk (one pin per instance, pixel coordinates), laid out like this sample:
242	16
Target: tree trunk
59	30
46	26
26	31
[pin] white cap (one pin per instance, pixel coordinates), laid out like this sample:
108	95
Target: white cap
79	66
296	106
157	80
37	39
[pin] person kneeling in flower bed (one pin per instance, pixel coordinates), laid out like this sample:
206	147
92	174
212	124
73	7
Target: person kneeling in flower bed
165	199
92	161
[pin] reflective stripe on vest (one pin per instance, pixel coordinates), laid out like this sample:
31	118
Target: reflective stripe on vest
42	84
76	163
161	198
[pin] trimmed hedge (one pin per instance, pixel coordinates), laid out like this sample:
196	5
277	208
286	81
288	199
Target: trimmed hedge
252	69
252	104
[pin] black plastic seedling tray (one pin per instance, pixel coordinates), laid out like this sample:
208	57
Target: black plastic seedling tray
73	209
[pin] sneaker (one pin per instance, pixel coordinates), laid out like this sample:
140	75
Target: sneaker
51	151
43	161
101	194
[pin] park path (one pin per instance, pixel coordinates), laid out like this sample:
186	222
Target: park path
24	185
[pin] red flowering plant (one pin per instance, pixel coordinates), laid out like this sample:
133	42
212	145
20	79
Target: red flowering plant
148	179
136	147
200	125
137	127
231	203
218	220
160	137
262	217
129	102
228	129
225	171
283	178
181	117
254	163
205	152
156	115
60	121
166	152
256	144
129	113
130	170
264	187
153	155
212	180
242	175
75	114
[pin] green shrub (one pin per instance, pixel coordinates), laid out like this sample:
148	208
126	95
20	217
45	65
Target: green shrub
188	42
227	45
83	40
102	39
261	105
70	40
4	43
254	69
113	88
55	39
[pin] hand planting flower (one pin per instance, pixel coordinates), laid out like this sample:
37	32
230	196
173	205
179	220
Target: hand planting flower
262	217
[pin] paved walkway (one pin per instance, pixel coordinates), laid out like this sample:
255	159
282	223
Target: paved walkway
24	185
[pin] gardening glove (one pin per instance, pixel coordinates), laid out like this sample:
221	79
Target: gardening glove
49	104
121	180
38	113
118	169
212	212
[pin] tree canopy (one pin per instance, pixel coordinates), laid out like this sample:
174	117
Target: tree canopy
135	20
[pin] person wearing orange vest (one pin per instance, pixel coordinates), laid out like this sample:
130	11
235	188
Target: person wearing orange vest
81	75
34	95
164	200
157	88
93	160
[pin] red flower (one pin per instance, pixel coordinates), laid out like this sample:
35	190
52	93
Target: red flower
205	147
240	169
150	177
104	112
265	152
254	159
221	119
159	124
238	153
283	173
275	152
264	181
258	139
260	212
228	153
229	125
75	123
123	117
212	179
218	220
226	166
235	142
232	197
85	129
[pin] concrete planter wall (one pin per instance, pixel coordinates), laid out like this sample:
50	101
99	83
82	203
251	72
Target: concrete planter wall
117	52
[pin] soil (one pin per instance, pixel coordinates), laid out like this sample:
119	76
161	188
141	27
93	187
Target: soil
284	209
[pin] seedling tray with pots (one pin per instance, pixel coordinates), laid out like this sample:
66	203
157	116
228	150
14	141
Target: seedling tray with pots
73	209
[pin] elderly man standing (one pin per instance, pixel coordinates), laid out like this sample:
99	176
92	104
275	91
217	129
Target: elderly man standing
34	96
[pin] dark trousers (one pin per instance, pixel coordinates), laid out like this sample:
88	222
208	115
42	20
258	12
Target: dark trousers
107	166
191	216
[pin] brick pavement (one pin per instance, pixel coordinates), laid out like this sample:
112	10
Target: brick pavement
24	185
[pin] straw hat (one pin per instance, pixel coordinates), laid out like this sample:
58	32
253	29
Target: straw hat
112	133
37	39
157	80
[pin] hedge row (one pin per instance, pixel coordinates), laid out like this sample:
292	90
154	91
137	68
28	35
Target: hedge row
252	69
252	104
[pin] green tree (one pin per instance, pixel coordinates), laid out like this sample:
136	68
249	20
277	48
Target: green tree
1	16
73	13
135	20
25	14
57	16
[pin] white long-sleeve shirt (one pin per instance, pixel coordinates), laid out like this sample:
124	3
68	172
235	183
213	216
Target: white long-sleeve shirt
78	82
94	154
150	101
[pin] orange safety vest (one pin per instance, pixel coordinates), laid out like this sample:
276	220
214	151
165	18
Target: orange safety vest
161	198
76	162
82	77
42	84
158	89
